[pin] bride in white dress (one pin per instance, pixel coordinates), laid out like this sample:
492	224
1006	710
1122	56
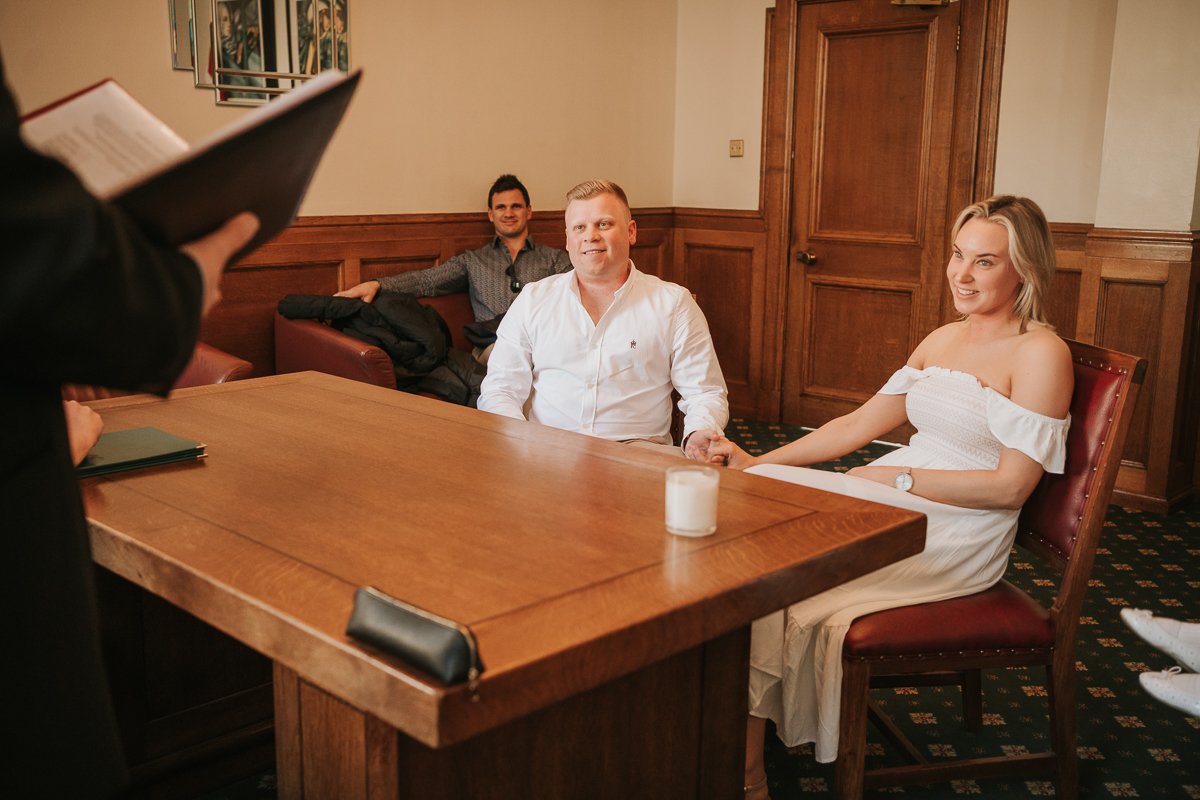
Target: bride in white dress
989	397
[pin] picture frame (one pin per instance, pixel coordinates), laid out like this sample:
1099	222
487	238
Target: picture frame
319	32
248	51
201	12
239	52
183	48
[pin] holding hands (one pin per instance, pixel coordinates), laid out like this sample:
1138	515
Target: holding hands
712	448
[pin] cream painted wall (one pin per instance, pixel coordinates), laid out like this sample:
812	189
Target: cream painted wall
1052	104
1100	111
1148	175
718	97
648	93
556	91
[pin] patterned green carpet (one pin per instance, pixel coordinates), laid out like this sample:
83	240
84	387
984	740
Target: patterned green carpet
1129	745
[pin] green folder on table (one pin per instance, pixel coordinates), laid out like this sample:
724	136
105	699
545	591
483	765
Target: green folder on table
136	448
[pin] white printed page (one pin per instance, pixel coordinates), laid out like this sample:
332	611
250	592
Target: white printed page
105	136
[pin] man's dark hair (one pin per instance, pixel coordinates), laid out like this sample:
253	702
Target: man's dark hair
506	183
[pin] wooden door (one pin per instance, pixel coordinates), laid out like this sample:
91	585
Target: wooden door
873	122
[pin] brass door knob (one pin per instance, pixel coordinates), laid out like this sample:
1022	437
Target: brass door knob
806	257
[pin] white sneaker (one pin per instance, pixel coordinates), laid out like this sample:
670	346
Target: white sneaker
1177	689
1180	640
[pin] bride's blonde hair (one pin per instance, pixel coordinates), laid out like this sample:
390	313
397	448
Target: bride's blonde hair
1030	247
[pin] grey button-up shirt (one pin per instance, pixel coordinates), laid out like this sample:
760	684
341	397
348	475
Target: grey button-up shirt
482	273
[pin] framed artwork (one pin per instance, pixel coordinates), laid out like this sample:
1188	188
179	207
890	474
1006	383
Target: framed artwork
239	51
182	47
202	37
320	33
248	51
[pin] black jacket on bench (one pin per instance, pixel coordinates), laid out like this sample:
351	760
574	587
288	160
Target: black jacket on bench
414	336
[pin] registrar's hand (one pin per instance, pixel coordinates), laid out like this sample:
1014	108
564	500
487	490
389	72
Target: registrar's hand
212	252
364	291
83	429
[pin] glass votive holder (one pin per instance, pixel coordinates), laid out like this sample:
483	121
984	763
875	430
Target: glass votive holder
691	500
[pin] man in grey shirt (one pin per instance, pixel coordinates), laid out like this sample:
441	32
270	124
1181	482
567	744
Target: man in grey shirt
493	274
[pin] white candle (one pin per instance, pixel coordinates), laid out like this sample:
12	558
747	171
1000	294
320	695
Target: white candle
692	500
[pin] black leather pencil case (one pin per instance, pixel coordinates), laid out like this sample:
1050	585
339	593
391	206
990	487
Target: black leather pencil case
441	647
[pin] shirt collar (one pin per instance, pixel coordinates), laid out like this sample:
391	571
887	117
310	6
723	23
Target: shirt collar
498	241
634	275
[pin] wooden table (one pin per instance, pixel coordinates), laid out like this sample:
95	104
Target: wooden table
616	654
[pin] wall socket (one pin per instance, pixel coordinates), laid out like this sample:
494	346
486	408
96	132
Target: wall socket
737	148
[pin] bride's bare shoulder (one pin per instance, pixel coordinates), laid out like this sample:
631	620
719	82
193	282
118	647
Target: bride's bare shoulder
1042	373
1041	343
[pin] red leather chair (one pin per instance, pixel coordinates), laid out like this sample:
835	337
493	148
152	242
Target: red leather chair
950	641
208	365
304	344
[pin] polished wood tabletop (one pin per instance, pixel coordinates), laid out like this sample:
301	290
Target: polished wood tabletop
550	545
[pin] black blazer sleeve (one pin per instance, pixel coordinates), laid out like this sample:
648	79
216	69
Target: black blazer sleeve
84	297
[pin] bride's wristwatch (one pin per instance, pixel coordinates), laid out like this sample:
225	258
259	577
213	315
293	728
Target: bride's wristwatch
904	481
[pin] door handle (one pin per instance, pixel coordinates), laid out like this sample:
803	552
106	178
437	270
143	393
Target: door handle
806	257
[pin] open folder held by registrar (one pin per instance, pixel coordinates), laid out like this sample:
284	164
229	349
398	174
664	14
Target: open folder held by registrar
262	162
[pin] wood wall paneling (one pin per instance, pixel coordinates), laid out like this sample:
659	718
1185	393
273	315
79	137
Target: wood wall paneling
1187	446
1062	307
1063	303
721	259
652	252
719	276
374	268
1125	307
242	323
1137	292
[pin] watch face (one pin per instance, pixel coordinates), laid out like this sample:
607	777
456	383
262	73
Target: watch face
904	481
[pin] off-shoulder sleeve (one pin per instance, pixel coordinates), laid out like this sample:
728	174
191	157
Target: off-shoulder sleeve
1042	438
901	380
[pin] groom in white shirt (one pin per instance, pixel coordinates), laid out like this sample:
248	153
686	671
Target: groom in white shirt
599	349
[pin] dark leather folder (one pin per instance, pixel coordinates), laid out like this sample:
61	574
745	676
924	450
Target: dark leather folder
136	448
263	165
261	162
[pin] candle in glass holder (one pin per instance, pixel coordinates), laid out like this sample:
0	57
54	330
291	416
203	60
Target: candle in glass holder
691	500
